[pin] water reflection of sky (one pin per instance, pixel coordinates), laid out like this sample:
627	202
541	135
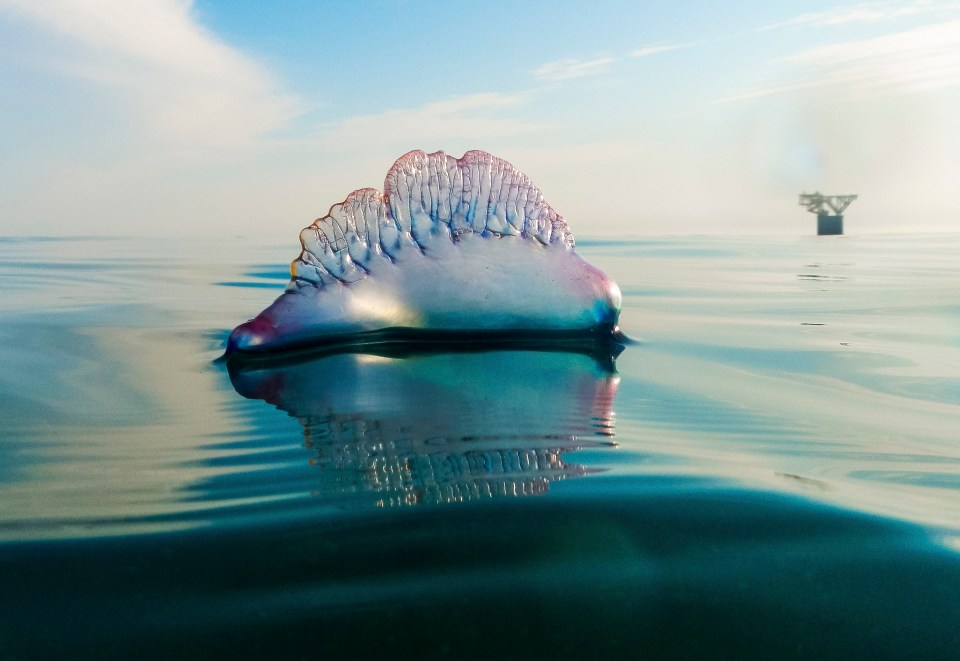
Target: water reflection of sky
840	388
754	368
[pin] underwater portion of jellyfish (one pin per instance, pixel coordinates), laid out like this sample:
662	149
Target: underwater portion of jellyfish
451	247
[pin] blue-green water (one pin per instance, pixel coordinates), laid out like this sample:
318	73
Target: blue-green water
772	470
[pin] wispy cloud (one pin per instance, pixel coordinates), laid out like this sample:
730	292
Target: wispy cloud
867	12
573	68
769	90
922	58
656	49
569	68
919	59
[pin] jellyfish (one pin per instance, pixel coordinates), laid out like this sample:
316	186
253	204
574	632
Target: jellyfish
453	249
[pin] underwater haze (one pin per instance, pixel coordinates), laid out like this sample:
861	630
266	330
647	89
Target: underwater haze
771	470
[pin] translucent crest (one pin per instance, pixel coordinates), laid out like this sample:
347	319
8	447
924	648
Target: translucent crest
427	198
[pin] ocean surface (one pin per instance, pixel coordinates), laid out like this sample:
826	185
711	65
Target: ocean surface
771	470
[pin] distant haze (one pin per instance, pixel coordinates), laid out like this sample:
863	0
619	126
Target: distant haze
212	117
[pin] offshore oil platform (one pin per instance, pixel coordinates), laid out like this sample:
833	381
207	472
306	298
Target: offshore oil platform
827	223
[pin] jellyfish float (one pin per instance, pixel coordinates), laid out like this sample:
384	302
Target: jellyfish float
454	249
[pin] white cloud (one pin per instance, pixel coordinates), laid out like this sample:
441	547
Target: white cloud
569	68
185	85
868	12
647	51
573	68
922	58
770	90
132	118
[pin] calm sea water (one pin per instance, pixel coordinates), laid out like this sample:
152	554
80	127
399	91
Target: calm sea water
772	470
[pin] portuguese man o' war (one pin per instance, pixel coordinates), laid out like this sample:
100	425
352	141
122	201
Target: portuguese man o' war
453	248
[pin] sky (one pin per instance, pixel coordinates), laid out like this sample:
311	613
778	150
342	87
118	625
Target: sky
246	118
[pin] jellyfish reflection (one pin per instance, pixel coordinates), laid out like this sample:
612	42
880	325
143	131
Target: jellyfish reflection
440	427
